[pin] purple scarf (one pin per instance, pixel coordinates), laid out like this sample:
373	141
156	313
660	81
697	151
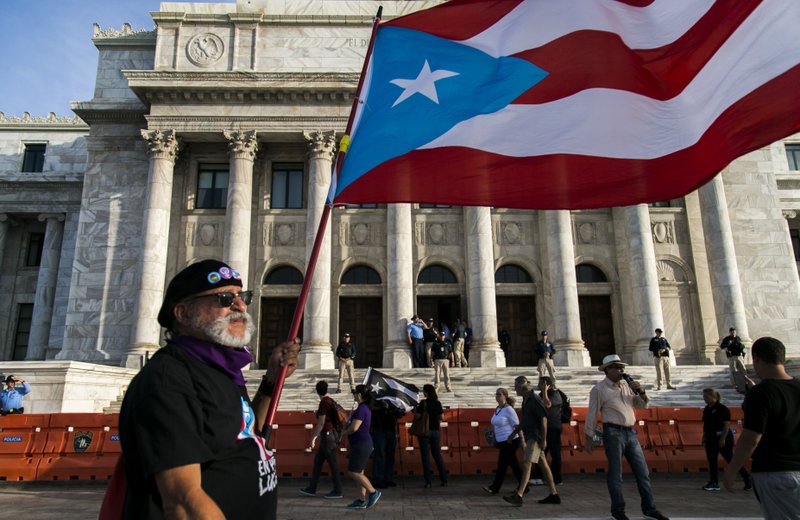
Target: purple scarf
228	360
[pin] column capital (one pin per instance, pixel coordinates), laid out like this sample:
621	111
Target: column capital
321	143
241	144
789	214
161	144
60	217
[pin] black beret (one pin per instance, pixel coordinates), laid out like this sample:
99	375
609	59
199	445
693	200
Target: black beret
198	277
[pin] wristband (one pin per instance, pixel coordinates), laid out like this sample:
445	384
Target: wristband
266	388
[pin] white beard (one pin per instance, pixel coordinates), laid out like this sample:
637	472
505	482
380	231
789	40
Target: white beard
217	330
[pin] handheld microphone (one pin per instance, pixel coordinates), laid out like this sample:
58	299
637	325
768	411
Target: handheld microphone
628	379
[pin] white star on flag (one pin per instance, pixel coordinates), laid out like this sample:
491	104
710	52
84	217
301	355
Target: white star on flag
425	83
376	388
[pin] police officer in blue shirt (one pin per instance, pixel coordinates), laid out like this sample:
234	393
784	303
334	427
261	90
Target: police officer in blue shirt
11	397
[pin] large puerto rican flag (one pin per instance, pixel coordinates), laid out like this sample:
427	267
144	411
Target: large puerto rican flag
569	104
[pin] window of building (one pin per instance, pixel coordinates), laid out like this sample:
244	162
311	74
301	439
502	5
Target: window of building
287	187
793	154
361	275
429	206
33	158
23	332
33	254
361	206
512	274
212	186
661	204
436	274
795	235
586	273
285	275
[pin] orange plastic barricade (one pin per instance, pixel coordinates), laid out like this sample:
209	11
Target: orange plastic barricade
22	440
74	448
291	435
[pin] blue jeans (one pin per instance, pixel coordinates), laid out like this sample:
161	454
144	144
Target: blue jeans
418	353
619	442
432	445
385	444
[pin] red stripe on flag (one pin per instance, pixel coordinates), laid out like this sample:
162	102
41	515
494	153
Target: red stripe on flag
637	3
567	181
457	19
593	59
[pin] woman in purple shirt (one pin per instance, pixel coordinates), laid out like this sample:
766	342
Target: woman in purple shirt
360	441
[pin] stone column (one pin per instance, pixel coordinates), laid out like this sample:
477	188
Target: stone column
45	286
645	293
568	340
723	268
485	349
316	352
399	285
242	148
162	148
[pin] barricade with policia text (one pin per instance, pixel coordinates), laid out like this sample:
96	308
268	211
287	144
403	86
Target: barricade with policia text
86	446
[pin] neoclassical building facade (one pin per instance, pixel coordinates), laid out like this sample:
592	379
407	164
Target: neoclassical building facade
214	135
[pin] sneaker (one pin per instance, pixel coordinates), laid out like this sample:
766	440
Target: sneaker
514	499
655	515
711	486
489	490
339	391
357	504
373	498
307	492
670	387
333	494
551	499
536	482
619	516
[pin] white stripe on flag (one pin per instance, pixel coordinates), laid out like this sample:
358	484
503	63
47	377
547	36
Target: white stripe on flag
535	23
631	126
400	387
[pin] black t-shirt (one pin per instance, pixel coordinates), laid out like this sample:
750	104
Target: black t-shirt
180	411
435	412
772	408
714	415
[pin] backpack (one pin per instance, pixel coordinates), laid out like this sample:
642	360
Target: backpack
566	409
339	421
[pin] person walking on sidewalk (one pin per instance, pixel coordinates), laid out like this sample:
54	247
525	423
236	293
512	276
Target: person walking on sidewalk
326	415
660	348
718	438
504	420
615	399
360	441
432	444
346	353
533	426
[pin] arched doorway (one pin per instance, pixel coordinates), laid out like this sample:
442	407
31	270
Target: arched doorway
594	306
278	302
361	314
439	298
516	312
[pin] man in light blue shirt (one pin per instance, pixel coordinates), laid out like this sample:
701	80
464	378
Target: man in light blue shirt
11	397
415	340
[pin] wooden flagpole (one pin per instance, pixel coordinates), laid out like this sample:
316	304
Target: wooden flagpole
323	224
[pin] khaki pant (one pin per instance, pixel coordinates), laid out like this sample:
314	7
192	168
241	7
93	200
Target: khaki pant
662	371
347	364
458	352
546	362
736	364
439	366
428	360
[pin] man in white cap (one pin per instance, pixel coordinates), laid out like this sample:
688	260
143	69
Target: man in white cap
615	397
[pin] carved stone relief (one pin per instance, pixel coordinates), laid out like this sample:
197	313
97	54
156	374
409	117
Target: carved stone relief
206	234
669	272
436	234
512	233
205	49
282	234
663	232
587	233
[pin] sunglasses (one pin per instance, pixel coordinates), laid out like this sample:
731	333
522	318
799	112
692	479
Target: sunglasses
226	299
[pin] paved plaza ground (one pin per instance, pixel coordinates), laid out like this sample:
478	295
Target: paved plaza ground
584	497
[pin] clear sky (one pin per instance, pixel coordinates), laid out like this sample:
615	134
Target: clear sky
47	58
